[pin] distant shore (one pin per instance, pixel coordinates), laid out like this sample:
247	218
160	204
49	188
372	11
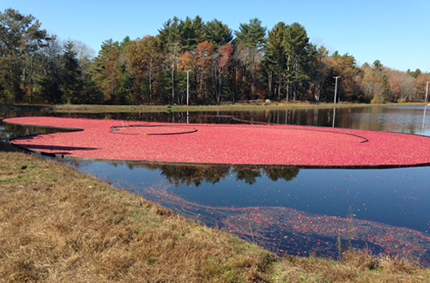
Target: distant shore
87	108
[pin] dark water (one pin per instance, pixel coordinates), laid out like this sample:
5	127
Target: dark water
284	209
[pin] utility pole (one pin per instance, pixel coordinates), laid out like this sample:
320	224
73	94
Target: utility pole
335	89
427	90
334	116
188	85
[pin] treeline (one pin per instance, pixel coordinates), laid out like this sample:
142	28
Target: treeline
206	62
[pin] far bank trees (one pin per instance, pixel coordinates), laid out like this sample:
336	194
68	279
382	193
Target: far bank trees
213	62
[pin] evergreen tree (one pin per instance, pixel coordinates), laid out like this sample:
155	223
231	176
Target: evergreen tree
377	65
72	85
49	77
296	44
252	37
415	73
217	33
170	36
192	33
105	70
170	31
275	57
20	38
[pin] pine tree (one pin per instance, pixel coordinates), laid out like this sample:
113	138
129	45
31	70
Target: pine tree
20	38
49	78
170	31
72	85
217	33
192	33
296	44
275	56
105	70
253	37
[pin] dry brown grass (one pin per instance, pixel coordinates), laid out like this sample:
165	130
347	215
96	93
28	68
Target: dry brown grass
356	266
58	225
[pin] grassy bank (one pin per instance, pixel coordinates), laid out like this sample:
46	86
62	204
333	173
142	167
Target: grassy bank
182	108
59	225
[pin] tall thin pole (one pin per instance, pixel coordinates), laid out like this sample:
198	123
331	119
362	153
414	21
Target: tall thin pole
334	116
335	89
427	90
188	86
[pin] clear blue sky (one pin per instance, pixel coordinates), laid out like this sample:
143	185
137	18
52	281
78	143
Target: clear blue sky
393	31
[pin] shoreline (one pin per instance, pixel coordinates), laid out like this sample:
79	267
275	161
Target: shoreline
183	108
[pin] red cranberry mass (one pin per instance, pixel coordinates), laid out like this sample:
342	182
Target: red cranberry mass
225	143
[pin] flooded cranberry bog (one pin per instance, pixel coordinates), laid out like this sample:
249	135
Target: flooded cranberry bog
286	209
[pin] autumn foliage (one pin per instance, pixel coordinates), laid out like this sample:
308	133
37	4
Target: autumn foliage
223	66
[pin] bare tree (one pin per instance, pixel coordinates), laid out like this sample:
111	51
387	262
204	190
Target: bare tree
372	83
84	53
172	61
401	85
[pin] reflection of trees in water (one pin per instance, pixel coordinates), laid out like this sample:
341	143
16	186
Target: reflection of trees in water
77	163
275	173
251	173
213	174
315	117
366	118
247	174
6	146
194	174
9	131
197	174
